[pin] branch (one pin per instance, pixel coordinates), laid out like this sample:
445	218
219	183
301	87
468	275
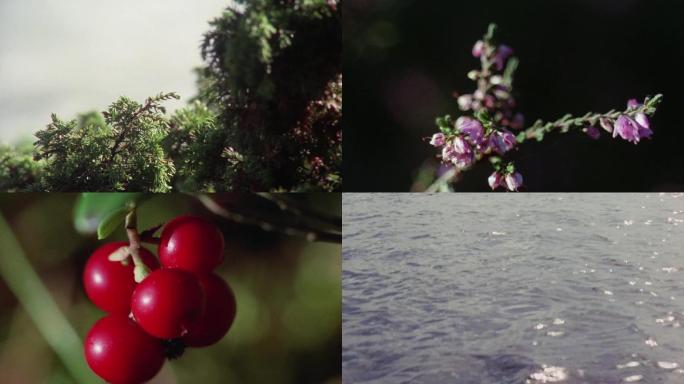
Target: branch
134	244
442	181
149	104
287	204
565	123
307	233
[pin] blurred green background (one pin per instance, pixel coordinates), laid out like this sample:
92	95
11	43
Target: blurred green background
288	324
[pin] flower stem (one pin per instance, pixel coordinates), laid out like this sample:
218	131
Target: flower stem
567	122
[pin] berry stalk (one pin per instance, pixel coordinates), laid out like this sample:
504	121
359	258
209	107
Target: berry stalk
134	244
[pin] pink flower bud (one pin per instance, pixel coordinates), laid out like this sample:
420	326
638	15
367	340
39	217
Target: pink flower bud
489	101
606	124
438	139
494	180
465	102
514	181
592	132
478	48
633	104
518	121
503	52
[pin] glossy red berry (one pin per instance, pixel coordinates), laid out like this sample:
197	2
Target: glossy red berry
191	243
118	351
109	284
218	314
167	302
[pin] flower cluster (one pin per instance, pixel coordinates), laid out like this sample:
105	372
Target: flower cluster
494	85
469	141
631	127
485	128
488	131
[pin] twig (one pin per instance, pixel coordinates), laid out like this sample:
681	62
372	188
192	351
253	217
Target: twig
134	244
287	204
565	123
309	234
442	181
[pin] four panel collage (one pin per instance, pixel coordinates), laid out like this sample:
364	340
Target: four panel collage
178	204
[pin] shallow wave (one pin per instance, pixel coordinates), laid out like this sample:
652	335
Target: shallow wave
430	295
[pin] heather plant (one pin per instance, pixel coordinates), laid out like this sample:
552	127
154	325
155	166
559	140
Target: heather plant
267	117
490	127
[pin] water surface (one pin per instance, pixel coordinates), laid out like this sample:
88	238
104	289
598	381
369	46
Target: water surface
491	288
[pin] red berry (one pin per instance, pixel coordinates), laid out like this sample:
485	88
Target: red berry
109	284
218	315
167	302
191	243
118	351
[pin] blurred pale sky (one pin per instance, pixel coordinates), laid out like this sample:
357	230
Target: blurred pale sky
73	56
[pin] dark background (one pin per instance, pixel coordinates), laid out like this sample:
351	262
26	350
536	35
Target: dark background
403	60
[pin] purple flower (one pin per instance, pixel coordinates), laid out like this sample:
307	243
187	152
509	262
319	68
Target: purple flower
642	120
478	48
460	146
514	181
644	125
508	139
496	143
463	160
448	153
627	128
503	52
495	180
438	139
592	132
471	127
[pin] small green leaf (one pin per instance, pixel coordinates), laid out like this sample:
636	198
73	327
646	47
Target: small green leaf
110	223
120	254
521	137
140	272
90	209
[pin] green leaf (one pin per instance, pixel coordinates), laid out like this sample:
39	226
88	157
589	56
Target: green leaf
521	137
91	209
510	168
483	116
110	223
120	254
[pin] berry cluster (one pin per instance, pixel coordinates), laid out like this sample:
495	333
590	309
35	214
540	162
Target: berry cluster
180	303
